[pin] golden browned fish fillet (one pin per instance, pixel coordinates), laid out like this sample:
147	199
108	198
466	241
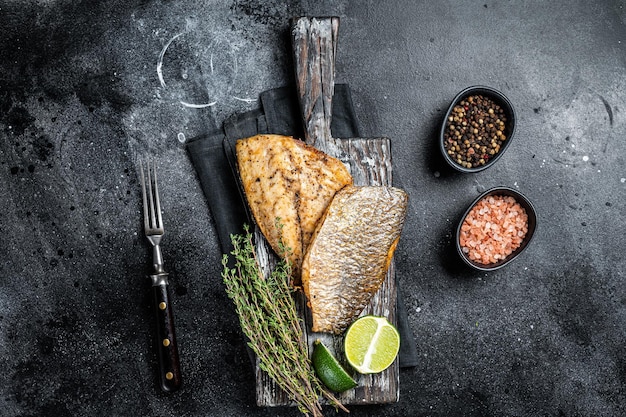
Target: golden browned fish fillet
285	178
347	260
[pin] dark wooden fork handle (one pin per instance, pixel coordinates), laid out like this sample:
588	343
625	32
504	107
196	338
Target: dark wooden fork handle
169	365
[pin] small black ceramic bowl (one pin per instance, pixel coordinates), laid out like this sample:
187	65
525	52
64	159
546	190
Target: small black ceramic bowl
476	128
532	225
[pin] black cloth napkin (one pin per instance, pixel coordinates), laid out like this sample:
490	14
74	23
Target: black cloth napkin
213	157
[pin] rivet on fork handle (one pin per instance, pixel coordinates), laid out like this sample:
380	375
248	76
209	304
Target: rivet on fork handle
169	365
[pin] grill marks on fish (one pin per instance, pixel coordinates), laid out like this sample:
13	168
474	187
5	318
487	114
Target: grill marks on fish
283	178
348	258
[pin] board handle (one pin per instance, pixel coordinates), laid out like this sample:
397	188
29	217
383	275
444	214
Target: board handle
314	42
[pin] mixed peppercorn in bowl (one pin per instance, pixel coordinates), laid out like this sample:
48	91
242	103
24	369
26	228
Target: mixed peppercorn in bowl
477	129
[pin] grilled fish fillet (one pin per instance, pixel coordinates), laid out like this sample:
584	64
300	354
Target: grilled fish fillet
347	260
284	178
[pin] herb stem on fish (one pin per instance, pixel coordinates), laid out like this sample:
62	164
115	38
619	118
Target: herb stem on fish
269	319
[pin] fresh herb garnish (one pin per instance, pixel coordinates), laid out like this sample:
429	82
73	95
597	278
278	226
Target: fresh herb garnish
269	319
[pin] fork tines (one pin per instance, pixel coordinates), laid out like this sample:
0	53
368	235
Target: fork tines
153	223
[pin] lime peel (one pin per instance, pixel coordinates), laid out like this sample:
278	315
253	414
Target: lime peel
329	370
371	344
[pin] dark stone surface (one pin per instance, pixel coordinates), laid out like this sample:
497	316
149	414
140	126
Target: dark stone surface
81	101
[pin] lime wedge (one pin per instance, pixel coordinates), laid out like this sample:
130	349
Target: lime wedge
329	370
371	344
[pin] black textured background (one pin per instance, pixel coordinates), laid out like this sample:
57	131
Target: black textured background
80	101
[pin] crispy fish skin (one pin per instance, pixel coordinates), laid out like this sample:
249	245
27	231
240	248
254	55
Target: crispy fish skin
350	253
284	178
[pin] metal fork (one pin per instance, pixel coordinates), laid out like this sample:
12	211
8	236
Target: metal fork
169	366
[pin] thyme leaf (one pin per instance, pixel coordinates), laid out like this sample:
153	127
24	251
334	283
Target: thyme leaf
269	319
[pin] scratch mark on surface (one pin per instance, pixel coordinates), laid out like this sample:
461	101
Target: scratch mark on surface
564	163
607	106
109	388
245	100
211	63
159	67
198	106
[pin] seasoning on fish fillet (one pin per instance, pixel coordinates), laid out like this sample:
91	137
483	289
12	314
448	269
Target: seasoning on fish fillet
350	253
287	179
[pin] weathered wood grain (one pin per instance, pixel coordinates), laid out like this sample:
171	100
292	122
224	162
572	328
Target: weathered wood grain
369	161
314	42
369	164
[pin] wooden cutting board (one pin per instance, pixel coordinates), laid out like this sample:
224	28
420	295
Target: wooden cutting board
369	161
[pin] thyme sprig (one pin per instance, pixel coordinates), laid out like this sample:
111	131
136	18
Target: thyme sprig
269	319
